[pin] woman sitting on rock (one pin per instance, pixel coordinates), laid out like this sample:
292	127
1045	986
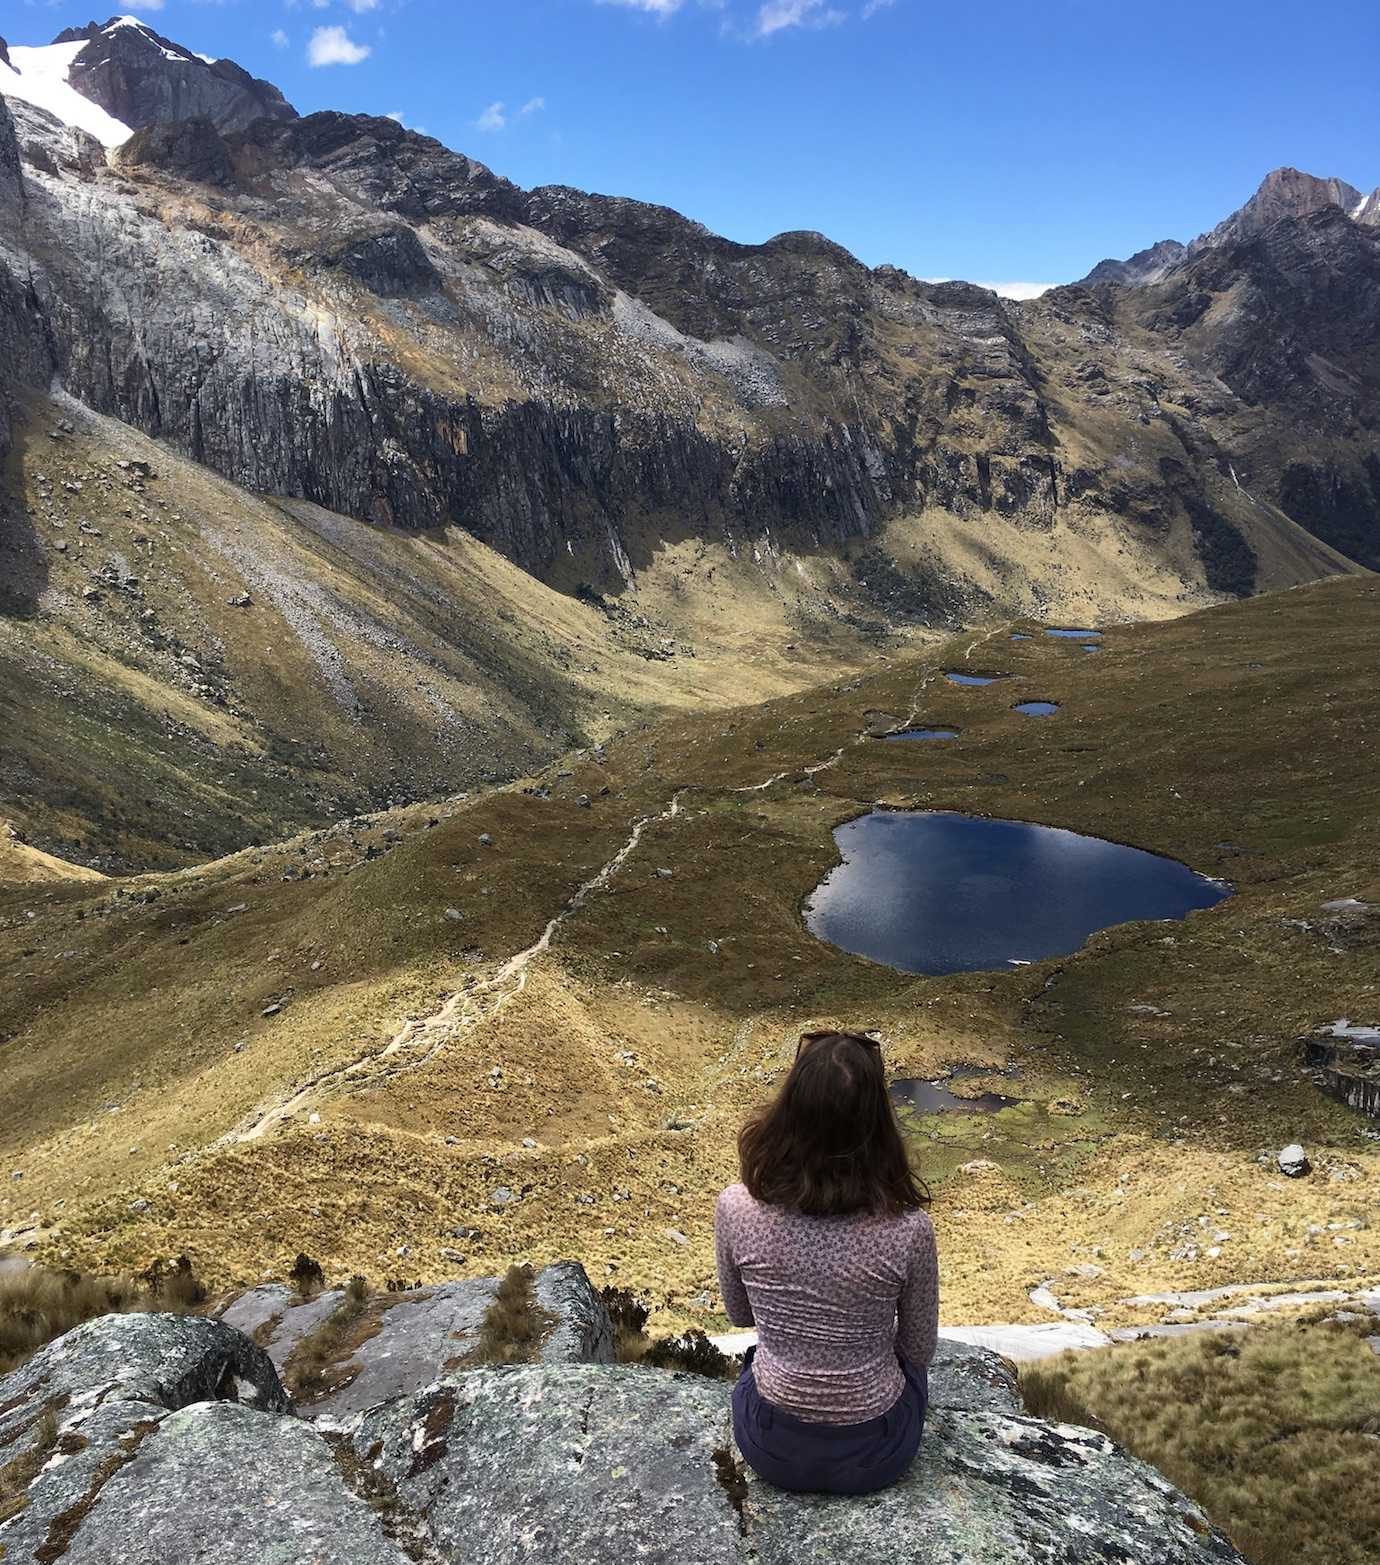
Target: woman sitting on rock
826	1249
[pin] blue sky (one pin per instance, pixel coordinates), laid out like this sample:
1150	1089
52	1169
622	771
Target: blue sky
999	142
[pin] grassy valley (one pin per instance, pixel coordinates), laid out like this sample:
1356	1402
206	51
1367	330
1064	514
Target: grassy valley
360	1040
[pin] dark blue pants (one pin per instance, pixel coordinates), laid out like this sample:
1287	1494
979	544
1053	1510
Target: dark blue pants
793	1453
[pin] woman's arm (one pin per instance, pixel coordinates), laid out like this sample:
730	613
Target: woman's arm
735	1295
917	1315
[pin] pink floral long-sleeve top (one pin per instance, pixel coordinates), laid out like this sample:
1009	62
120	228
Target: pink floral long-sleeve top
834	1299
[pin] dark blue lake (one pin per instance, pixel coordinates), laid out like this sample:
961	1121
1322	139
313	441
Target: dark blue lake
955	678
1072	635
933	892
1036	708
924	733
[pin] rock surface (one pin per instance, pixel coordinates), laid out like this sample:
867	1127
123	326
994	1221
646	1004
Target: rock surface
588	1462
420	1335
83	1408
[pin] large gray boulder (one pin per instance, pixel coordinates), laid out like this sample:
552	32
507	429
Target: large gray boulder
170	1441
602	1465
166	1361
82	1410
419	1335
212	1484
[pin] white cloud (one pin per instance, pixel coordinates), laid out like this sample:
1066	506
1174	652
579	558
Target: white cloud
653	7
1019	290
873	6
532	106
279	38
776	16
144	5
1006	290
334	46
359	7
398	115
495	117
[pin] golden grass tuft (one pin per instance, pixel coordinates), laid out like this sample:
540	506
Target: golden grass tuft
38	1304
315	1365
17	1474
1273	1431
515	1325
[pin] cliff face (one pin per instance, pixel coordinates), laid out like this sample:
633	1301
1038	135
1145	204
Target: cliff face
336	309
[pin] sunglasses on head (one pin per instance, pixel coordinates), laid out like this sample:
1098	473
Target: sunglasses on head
807	1039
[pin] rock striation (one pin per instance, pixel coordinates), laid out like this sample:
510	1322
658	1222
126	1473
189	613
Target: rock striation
165	1439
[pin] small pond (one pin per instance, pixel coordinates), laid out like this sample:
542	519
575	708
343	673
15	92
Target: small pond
1036	708
956	678
934	1097
1020	635
923	733
1091	646
934	892
1071	635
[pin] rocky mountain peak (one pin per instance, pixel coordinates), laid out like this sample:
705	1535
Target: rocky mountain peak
141	78
1145	266
1284	192
1366	212
4	53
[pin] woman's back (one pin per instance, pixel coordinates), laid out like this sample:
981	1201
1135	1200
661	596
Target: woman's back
834	1299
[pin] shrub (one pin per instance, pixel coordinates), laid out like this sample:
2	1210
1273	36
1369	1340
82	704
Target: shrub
693	1351
629	1316
306	1276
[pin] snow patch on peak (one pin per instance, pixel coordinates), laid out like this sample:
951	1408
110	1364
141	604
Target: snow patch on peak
39	76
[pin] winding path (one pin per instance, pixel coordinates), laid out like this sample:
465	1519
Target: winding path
421	1039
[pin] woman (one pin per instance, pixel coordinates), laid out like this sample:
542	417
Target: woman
826	1249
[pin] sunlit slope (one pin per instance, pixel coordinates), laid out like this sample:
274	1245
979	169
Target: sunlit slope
344	1043
186	667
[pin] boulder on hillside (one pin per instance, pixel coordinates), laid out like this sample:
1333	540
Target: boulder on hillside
1293	1161
410	1338
81	1411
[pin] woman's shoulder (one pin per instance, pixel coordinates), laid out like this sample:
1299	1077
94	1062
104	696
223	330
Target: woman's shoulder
733	1199
913	1225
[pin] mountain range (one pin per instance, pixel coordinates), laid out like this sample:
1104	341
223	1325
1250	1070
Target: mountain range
456	474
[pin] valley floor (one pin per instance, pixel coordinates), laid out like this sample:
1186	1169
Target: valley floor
526	1023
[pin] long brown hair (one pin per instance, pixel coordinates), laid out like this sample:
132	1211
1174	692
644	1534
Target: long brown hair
828	1143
